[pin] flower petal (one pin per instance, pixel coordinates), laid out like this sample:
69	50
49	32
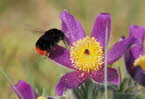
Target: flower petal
24	90
138	32
71	81
139	75
71	27
112	75
61	55
119	49
131	55
101	26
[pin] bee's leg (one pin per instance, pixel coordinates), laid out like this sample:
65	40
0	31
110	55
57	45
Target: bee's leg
54	49
37	54
65	43
47	54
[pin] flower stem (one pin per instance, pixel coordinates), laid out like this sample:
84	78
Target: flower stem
105	68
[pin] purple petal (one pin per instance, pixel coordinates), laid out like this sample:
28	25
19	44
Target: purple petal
139	75
112	75
72	28
136	51
119	49
137	32
61	55
101	26
24	90
130	56
71	81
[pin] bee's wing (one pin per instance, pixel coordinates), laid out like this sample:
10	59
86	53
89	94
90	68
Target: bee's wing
33	29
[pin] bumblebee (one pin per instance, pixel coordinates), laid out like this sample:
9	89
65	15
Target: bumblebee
48	40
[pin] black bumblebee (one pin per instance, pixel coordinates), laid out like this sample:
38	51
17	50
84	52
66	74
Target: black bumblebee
48	40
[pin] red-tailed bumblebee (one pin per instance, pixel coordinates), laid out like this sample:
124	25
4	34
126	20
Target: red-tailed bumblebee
48	40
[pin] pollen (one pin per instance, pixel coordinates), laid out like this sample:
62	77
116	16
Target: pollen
87	54
41	97
140	62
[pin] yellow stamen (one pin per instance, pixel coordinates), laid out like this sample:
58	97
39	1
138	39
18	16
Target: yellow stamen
140	62
87	54
41	97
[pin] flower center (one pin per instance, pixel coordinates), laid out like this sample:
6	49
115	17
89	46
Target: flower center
87	54
41	97
140	62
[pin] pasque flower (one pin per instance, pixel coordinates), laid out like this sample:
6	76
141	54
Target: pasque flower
135	56
86	54
25	91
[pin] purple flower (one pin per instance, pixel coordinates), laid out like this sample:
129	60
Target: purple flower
24	91
135	56
86	54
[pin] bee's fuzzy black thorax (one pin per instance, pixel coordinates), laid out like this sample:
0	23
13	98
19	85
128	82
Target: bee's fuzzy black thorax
49	39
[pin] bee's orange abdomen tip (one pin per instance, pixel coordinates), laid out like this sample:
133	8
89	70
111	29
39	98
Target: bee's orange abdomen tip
41	52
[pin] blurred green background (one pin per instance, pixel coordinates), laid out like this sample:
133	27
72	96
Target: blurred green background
19	19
